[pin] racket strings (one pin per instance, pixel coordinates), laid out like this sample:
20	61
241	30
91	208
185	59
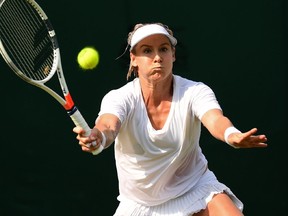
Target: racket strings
16	40
26	39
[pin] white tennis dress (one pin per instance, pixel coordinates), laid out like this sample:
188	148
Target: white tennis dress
163	172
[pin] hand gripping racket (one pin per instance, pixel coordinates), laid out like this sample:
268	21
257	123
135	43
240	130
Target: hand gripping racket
29	46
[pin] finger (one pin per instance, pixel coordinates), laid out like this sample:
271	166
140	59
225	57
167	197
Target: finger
263	137
251	132
259	138
85	139
259	145
77	129
87	144
89	147
95	145
85	149
262	145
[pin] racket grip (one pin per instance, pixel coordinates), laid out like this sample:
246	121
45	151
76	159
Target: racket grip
79	120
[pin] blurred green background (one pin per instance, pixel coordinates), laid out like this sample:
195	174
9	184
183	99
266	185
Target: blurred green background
238	48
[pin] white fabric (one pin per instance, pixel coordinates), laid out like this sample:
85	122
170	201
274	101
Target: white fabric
150	29
228	132
155	166
189	203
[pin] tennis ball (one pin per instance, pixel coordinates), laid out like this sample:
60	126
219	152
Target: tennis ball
88	58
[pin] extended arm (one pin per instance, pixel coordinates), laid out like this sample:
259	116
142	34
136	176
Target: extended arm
217	124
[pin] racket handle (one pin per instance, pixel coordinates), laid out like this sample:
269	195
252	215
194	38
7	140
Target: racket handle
78	120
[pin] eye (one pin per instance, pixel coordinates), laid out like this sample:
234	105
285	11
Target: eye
147	50
164	49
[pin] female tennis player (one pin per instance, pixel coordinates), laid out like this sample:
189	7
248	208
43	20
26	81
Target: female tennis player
155	123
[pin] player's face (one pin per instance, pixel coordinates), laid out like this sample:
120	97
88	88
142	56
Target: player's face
154	57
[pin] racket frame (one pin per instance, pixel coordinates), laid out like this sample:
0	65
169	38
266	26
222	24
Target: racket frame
67	101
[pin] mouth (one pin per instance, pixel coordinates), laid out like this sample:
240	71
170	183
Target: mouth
157	68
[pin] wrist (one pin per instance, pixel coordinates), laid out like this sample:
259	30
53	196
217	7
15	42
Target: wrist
104	139
228	132
101	146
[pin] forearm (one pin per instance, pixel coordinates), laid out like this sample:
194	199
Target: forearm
216	123
219	127
109	125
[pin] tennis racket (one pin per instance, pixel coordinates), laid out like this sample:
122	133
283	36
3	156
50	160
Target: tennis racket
29	46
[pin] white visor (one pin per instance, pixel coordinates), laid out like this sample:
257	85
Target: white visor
148	30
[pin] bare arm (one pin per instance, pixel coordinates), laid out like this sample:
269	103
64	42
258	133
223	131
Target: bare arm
107	124
216	123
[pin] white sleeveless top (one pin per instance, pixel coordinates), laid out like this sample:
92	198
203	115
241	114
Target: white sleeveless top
154	166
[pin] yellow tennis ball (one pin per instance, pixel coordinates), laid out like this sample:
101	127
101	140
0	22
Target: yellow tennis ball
88	58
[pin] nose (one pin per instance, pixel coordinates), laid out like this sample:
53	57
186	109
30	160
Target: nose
157	57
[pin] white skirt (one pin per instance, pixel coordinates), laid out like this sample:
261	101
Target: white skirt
189	203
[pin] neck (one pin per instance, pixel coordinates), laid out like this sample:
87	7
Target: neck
154	93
